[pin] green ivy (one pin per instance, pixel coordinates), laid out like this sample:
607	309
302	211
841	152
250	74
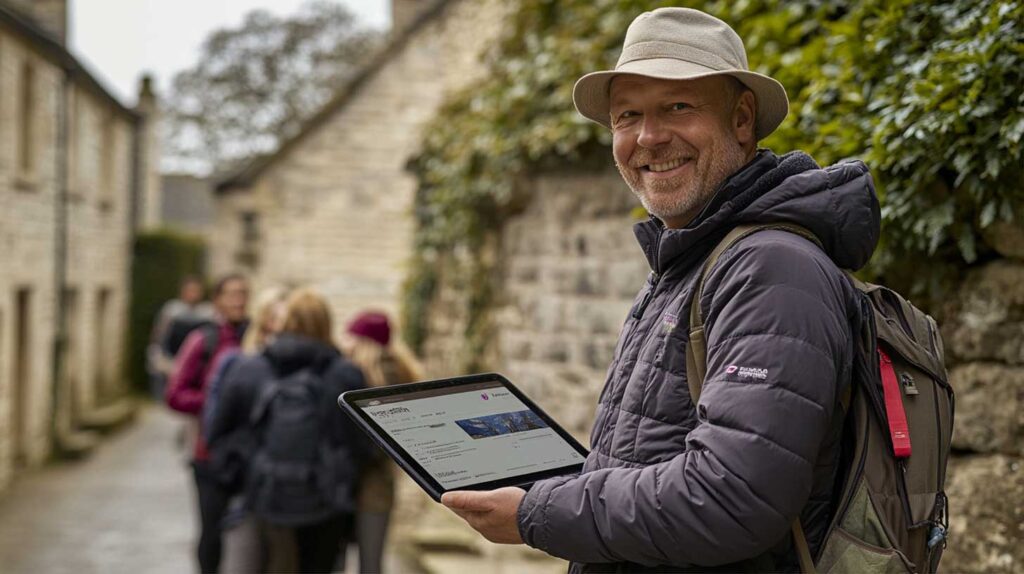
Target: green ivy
928	94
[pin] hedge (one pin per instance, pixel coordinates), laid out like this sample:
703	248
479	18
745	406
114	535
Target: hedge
161	260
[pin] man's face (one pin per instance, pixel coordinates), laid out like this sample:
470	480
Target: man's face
231	302
676	141
192	292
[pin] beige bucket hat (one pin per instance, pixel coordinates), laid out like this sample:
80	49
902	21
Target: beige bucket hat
682	44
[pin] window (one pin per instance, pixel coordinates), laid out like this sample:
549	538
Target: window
101	336
25	144
248	252
22	375
108	155
71	359
74	141
250	227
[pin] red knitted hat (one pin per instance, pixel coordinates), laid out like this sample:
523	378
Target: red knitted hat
372	325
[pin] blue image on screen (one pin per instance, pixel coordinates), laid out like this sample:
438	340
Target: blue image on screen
501	424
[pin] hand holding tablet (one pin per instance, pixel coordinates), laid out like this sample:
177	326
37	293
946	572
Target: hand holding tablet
491	513
466	433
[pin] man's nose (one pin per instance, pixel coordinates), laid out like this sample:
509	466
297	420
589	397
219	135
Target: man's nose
653	132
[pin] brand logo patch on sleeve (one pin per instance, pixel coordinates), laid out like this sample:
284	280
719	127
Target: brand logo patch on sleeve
669	322
747	372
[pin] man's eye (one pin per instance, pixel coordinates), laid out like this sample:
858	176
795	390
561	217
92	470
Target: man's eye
678	106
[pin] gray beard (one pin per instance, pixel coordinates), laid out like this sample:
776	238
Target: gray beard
722	161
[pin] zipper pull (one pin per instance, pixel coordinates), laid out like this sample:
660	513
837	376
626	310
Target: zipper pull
909	388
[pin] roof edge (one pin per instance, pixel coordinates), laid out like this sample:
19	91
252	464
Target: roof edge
248	173
60	55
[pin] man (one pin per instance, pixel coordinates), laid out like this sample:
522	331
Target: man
187	392
190	307
669	485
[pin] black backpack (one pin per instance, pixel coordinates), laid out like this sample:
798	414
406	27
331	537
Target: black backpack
182	326
296	477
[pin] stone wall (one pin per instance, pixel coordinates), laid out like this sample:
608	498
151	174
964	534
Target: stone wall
333	209
983	329
98	232
568	270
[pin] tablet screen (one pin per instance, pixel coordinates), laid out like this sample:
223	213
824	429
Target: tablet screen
470	434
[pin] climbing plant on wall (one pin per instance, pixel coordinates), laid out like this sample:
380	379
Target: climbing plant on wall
928	94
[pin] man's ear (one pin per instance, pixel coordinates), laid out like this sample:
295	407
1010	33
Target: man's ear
744	119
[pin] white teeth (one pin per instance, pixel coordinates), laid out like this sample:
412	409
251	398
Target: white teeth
658	167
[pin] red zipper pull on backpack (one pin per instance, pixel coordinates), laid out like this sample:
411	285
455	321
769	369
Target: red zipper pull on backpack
897	416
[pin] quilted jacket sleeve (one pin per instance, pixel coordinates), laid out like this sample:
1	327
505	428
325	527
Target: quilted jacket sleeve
778	342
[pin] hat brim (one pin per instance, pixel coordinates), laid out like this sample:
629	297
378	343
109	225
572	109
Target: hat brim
591	92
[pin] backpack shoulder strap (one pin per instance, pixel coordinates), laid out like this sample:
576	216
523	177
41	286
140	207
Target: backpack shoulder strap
211	338
696	349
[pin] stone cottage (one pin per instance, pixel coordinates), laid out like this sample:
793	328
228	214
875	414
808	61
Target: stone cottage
332	207
74	175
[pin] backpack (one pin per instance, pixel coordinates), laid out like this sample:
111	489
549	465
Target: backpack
230	454
182	326
296	477
891	514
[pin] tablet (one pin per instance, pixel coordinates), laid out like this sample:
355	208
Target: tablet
477	432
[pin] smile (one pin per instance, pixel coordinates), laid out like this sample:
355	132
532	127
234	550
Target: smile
665	166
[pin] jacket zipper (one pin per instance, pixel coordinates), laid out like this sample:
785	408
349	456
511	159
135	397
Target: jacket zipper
648	297
652	281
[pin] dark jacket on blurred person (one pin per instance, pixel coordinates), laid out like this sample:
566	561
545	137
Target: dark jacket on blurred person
242	387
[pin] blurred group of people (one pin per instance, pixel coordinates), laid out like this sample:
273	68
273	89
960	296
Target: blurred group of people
284	480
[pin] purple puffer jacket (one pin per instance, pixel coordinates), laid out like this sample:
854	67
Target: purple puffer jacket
670	487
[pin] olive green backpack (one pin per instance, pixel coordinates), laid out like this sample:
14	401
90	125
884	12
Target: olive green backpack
891	514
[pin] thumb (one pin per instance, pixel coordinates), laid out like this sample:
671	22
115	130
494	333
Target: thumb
467	500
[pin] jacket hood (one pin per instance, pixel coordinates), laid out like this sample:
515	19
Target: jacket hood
289	353
837	203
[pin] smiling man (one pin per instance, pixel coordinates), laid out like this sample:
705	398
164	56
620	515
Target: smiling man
671	485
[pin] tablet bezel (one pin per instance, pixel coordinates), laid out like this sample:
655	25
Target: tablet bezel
416	471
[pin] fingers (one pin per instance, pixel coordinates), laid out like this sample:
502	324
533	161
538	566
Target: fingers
468	501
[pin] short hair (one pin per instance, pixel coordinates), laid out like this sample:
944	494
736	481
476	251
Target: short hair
222	282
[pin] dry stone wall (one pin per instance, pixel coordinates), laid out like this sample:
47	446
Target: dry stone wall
983	330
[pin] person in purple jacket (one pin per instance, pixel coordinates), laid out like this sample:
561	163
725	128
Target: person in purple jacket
186	393
669	485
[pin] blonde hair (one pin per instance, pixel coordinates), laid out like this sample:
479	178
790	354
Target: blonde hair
307	314
267	312
391	365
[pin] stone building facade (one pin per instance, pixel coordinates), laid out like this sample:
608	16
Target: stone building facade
69	178
332	208
187	204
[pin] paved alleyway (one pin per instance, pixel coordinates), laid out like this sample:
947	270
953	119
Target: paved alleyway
126	508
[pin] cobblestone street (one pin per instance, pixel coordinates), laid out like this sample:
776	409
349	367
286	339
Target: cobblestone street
125	508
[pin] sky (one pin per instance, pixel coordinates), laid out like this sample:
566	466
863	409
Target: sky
119	40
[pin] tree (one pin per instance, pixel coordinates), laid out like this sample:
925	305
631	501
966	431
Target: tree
254	85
